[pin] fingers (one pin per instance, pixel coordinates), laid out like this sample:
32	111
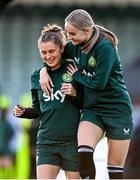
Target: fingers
47	88
18	110
71	69
72	66
68	89
51	83
46	85
66	86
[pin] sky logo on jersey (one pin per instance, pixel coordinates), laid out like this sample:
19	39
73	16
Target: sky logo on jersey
92	61
67	78
58	95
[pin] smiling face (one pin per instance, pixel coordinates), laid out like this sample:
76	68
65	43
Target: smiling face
77	36
51	54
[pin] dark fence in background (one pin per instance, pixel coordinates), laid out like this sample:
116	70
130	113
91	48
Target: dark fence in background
20	28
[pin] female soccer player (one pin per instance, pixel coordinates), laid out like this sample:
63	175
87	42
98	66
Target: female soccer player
107	106
59	115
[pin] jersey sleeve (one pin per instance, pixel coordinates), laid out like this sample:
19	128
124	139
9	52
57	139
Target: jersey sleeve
34	111
35	80
105	58
68	51
35	86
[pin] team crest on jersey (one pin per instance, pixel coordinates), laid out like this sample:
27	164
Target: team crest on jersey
92	61
67	78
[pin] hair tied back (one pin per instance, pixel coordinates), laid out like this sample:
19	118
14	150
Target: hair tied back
51	28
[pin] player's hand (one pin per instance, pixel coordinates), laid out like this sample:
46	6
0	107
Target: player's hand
68	89
45	81
18	110
72	69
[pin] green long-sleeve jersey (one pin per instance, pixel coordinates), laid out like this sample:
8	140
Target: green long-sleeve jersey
60	115
100	72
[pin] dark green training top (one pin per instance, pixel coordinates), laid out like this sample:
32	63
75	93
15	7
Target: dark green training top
60	115
100	72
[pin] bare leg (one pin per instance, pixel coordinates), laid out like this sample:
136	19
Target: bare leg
89	134
47	171
117	152
72	175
